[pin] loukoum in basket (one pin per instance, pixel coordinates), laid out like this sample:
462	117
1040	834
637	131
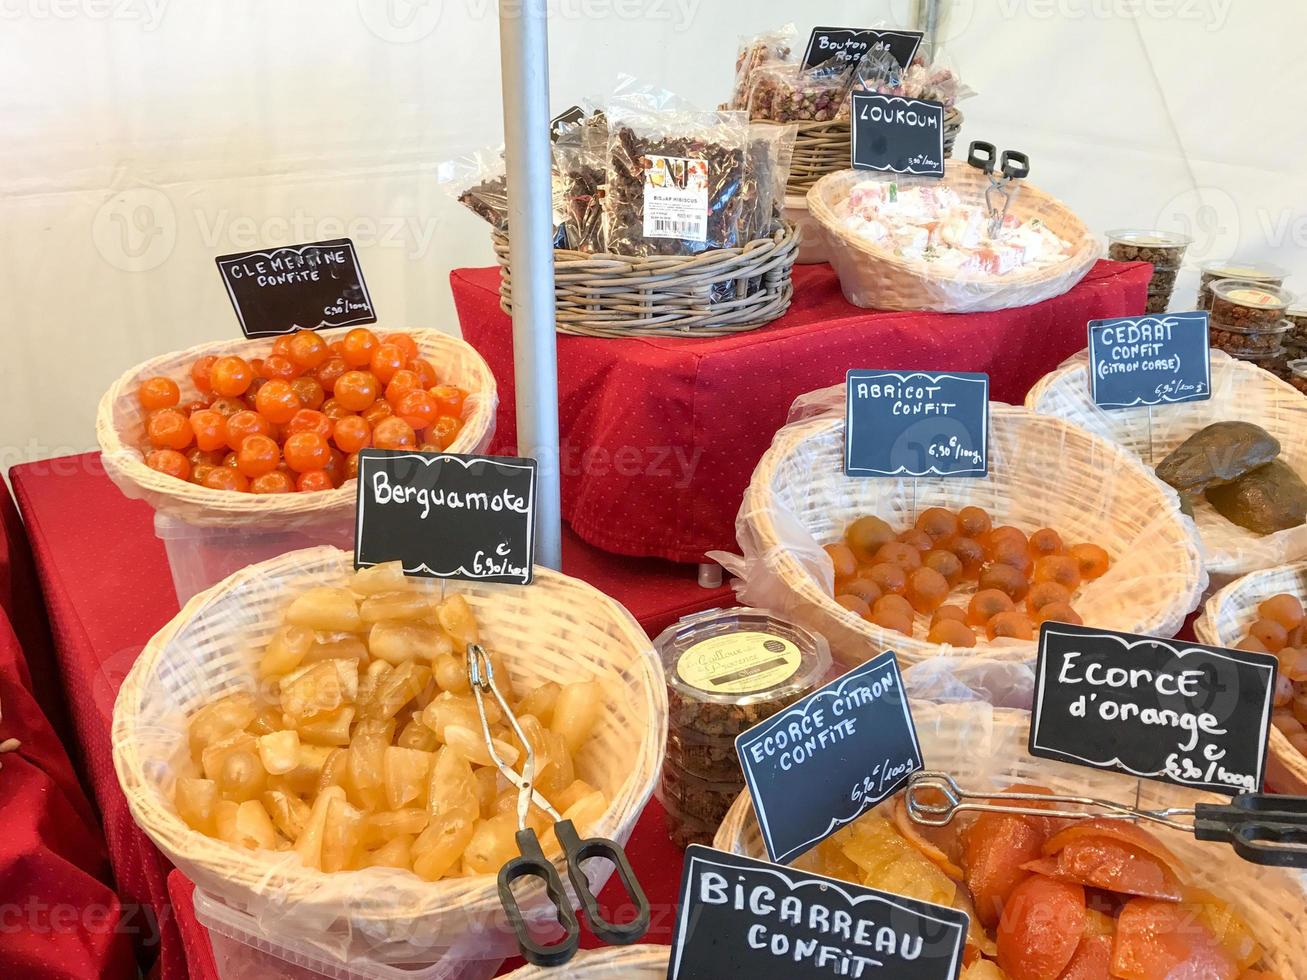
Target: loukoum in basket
613	963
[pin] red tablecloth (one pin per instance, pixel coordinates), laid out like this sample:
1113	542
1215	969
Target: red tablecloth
660	435
109	590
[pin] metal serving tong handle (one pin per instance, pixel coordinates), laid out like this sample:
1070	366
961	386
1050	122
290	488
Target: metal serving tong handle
532	862
1262	829
1011	166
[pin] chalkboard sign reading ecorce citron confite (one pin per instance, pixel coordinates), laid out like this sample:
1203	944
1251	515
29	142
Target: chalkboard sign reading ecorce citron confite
447	516
280	290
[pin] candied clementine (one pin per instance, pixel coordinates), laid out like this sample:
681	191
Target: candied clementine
276	401
893	621
352	466
444	430
351	434
314	481
356	390
918	539
949	612
169	429
417	408
156	393
210	429
387	361
334	410
893	605
279	367
307	420
1058	612
451	398
307	350
404	342
1045	593
394	433
378	410
230	376
306	451
945	563
423	369
310	393
170	462
1009	552
329	372
400	385
227	407
864	589
244	424
257	455
358	346
971	554
275	482
226	478
200	373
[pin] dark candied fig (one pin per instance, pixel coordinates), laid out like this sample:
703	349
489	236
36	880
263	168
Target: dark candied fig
1271	498
1216	455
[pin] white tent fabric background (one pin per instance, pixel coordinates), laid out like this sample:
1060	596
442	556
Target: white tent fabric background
141	138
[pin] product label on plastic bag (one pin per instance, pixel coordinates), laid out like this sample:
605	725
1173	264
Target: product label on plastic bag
676	199
739	663
1150	360
827	759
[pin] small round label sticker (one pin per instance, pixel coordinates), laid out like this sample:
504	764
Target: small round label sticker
739	663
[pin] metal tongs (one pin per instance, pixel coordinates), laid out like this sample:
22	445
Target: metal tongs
1012	166
534	864
1262	829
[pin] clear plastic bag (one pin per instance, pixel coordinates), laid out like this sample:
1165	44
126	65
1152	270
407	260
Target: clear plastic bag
580	178
675	177
767	171
785	93
772	48
479	183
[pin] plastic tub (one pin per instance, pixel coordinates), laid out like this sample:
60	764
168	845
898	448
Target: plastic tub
1298	335
812	241
244	950
1298	374
202	556
1263	272
1248	341
1243	305
1164	249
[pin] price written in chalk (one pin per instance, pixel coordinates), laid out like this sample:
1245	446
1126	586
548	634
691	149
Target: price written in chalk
1181	713
892	134
916	424
1150	360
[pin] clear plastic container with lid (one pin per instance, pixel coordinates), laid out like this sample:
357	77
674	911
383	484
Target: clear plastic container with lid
1246	271
727	670
1164	249
1244	305
1298	374
1241	341
1298	334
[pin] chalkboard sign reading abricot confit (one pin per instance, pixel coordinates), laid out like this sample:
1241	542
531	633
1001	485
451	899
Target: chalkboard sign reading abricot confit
1150	360
916	424
849	45
1176	712
897	135
744	918
280	290
447	516
828	758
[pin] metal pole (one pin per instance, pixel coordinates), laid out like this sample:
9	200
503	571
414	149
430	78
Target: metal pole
524	53
929	15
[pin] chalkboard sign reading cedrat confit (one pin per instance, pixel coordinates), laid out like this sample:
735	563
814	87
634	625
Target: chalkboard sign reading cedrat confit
280	290
1150	360
898	135
902	423
743	918
447	516
1176	712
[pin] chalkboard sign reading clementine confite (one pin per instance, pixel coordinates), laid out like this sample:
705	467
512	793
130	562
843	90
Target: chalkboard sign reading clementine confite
827	759
280	290
849	45
1150	360
738	917
901	423
1168	710
447	516
897	135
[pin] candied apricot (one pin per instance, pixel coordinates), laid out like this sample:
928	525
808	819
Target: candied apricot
952	632
1006	532
1062	569
1284	609
1161	939
1012	625
1005	579
841	556
1012	554
1271	634
865	590
938	522
866	535
986	604
974	522
1293	663
1252	645
854	604
1044	594
945	563
949	612
927	590
893	622
1045	541
972	555
1058	612
893	605
898	553
1042	924
1092	559
888	578
918	539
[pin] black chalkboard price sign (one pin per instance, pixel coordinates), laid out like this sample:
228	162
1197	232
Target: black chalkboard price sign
913	423
830	757
744	918
849	45
898	135
1176	712
1150	360
281	290
447	516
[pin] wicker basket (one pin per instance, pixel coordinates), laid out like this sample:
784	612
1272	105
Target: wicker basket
825	148
558	629
873	276
984	748
1043	473
612	963
718	292
120	429
1225	621
1240	391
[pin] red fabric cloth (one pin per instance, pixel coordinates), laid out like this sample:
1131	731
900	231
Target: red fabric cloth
660	435
109	590
58	918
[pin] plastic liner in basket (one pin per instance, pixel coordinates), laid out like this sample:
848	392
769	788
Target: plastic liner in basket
1043	472
613	963
1226	619
1240	392
984	748
557	629
120	431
